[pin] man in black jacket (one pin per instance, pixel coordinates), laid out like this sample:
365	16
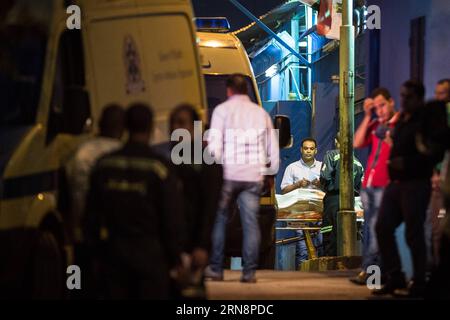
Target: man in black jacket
406	197
134	220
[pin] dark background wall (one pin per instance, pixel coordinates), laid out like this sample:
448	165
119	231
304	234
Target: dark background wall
396	18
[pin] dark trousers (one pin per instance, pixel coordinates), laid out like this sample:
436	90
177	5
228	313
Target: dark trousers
247	196
89	279
329	218
439	285
123	282
407	202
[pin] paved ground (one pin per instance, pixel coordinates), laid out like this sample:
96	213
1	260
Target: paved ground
288	285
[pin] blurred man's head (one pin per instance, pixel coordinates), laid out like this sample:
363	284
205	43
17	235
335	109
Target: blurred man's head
236	84
412	95
384	104
308	149
442	90
183	117
139	122
112	121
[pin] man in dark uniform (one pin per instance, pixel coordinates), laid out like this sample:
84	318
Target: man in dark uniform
329	179
134	220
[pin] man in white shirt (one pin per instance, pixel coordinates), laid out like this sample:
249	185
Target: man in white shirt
242	138
111	126
305	172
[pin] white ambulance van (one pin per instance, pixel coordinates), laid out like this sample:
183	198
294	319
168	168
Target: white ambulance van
54	82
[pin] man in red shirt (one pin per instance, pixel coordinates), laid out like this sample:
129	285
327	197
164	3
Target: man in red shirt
379	117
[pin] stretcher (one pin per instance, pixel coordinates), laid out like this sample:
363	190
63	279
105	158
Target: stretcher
302	209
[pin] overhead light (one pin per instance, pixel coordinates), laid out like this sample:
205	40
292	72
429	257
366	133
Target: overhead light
216	43
272	71
303	44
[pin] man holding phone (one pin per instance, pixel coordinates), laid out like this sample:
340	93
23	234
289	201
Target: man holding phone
379	118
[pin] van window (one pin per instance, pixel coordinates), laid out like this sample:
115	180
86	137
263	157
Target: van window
216	91
69	107
24	27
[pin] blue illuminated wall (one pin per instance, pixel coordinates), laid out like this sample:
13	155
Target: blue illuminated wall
275	87
269	89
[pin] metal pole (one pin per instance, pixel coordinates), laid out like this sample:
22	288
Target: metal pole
313	109
346	219
295	30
